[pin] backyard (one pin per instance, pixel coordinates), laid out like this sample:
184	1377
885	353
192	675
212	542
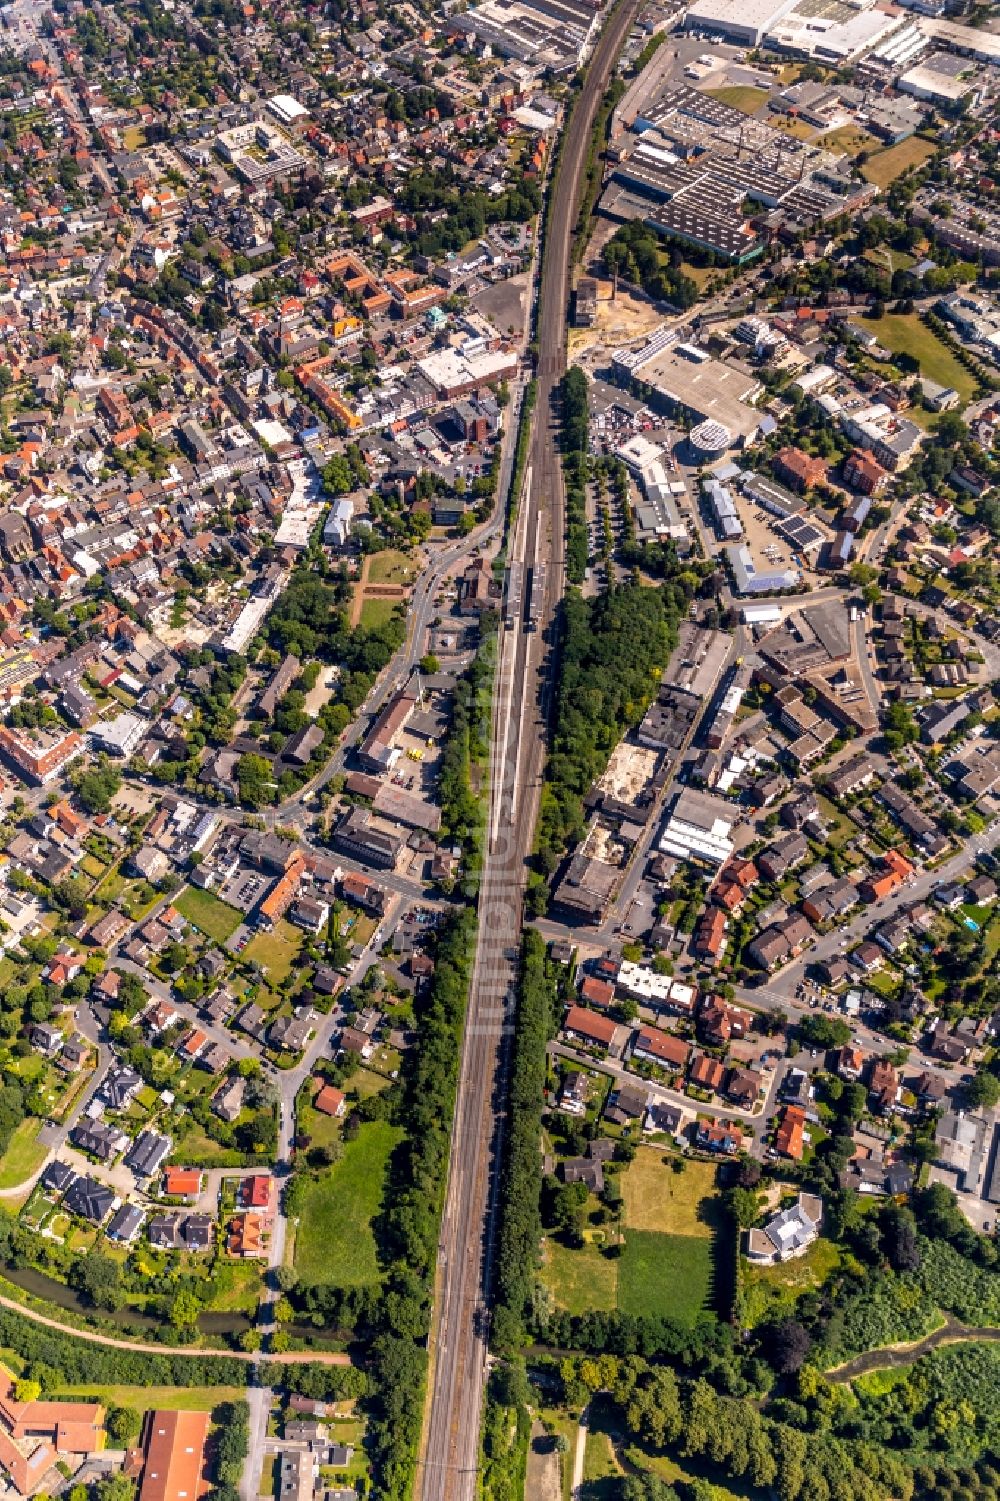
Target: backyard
275	952
670	1222
214	918
771	1291
334	1241
24	1155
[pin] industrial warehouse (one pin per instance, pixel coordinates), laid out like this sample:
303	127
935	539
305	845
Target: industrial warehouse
688	164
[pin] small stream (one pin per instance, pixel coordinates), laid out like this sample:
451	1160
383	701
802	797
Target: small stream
39	1285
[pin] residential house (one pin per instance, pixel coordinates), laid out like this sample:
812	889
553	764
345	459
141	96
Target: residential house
652	1045
789	1138
89	1199
719	1136
789	1233
592	1030
148	1153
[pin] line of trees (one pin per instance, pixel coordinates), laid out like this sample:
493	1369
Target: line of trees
521	1227
575	442
411	1224
232	1444
614	647
54	1359
467	745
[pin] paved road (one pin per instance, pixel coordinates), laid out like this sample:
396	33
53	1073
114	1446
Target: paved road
580	1454
918	888
755	1122
288	1083
450	1442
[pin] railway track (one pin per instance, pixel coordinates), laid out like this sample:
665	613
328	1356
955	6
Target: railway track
449	1458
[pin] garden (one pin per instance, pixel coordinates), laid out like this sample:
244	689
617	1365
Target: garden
656	1256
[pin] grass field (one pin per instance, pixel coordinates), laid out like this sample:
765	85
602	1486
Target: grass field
24	1155
657	1198
796	128
145	1398
665	1275
391	567
321	1129
885	166
770	1291
667	1263
601	1470
846	138
903	333
275	952
700	275
743	97
210	916
334	1241
901	260
582	1279
376	612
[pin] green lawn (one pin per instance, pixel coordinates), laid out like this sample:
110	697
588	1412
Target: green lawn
885	166
581	1280
667	1468
665	1275
334	1241
275	952
743	97
391	567
209	915
376	612
903	333
145	1398
24	1155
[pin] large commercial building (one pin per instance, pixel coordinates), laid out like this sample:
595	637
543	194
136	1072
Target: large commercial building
551	34
699	828
827	30
683	378
175	1457
453	372
746	579
743	21
37	754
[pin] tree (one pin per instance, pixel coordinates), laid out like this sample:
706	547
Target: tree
338	477
983	1090
745	1206
785	1343
124	1425
98	1278
569	1210
824	1031
117	1488
899	1239
26	1390
184	1309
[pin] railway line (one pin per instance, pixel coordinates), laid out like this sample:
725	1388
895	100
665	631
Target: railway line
449	1457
